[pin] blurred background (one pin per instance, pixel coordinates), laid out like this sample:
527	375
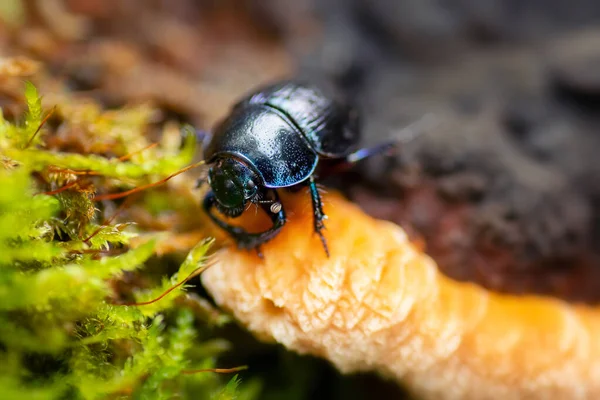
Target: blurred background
504	191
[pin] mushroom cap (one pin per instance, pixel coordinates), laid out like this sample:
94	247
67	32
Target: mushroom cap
378	303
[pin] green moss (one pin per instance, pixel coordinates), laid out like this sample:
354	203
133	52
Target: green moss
62	333
12	12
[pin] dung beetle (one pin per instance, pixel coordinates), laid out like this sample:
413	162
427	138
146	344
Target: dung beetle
275	138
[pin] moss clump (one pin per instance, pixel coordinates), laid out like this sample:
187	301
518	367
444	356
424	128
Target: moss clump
65	274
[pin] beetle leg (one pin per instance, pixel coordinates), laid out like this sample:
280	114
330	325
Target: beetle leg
361	154
319	215
243	238
342	164
404	135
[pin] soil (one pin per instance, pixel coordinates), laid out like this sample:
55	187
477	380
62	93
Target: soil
503	190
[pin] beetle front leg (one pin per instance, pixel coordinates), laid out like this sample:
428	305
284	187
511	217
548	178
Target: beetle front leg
243	238
319	215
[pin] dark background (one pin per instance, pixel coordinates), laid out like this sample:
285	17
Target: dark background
503	191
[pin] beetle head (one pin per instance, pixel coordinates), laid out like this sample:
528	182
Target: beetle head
234	185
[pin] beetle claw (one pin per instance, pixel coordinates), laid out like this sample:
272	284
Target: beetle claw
259	253
324	243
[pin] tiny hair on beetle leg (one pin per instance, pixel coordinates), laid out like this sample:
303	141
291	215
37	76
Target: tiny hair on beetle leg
322	189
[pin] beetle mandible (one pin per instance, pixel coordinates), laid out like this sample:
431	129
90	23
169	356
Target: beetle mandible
275	138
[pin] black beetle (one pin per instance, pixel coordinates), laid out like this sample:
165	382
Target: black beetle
275	138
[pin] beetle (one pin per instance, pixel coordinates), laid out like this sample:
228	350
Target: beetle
274	138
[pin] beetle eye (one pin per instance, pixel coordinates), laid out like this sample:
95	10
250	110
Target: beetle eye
229	185
250	184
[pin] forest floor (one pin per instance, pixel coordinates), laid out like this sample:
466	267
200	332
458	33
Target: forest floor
503	191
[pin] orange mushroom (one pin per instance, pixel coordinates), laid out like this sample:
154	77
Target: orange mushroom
380	304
